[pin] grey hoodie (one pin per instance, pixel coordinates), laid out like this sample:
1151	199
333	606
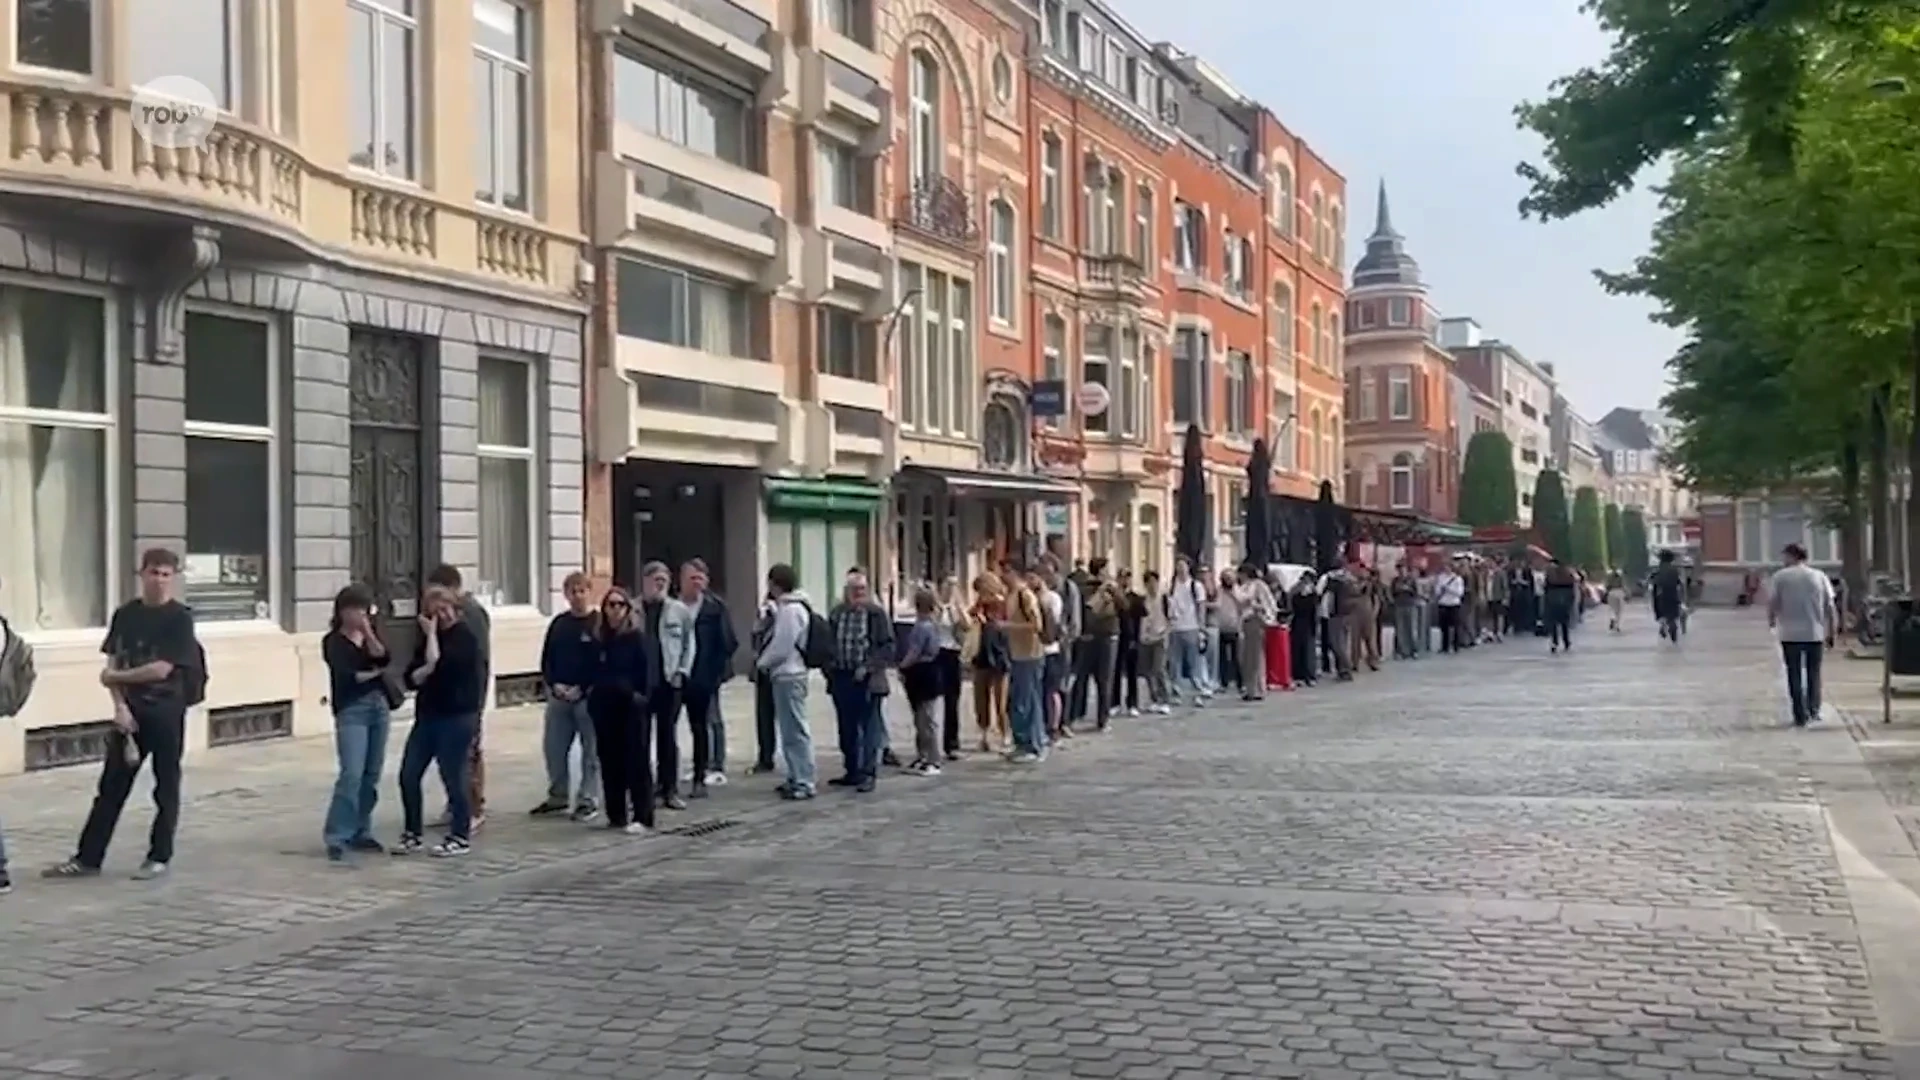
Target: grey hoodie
784	655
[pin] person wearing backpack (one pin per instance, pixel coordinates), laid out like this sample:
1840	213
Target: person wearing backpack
797	641
16	686
1100	634
155	671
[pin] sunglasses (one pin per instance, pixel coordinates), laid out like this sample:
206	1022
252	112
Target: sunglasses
616	603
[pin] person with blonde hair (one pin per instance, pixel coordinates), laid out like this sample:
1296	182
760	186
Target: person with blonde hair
617	697
984	652
568	658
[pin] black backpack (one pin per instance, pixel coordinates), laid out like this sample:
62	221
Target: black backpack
193	680
817	650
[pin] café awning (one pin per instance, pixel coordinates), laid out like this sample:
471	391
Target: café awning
993	485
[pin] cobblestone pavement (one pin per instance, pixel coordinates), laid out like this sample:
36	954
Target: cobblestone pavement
1612	864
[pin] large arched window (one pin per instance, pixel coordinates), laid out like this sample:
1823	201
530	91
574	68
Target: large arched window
1000	261
923	133
1283	330
1317	335
1283	209
1400	482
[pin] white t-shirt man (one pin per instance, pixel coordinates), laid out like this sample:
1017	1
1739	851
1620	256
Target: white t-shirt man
1449	590
1054	607
1800	604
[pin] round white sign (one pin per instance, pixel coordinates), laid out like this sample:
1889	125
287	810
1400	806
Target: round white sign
175	112
1092	398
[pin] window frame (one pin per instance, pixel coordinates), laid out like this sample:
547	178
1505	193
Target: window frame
1366	395
1143	203
1053	361
1395	472
530	456
1127	399
501	70
686	80
1052	155
923	118
1088	358
1002	275
383	13
686	278
1316	331
270	434
247	59
97	47
1285	209
1399	378
115	471
961	355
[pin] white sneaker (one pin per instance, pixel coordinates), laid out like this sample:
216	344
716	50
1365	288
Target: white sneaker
927	768
716	779
1133	713
634	828
1163	710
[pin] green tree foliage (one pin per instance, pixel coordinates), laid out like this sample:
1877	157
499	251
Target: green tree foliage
1633	533
1616	539
1489	494
1589	541
1552	525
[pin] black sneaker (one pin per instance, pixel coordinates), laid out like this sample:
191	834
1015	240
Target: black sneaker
451	848
336	854
367	844
865	787
673	801
889	759
586	811
409	844
698	790
6	883
842	781
549	808
72	868
760	769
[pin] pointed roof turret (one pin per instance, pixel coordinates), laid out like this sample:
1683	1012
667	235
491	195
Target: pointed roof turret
1386	261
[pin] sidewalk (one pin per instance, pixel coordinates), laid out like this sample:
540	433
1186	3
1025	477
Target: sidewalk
250	860
1892	750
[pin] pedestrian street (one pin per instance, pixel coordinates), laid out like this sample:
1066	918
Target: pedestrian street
1616	862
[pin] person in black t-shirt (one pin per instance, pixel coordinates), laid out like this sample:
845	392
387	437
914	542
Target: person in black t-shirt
449	673
152	663
356	667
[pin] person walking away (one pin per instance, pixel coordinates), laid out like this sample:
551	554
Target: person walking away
1186	606
1667	586
949	624
1026	643
985	653
1053	658
714	644
1405	597
1364	621
863	640
569	658
1126	660
1255	604
920	679
1154	634
667	628
1227	621
1561	595
155	671
781	664
626	667
475	617
449	678
1449	592
1099	634
1499	593
1800	609
356	661
1306	624
1616	598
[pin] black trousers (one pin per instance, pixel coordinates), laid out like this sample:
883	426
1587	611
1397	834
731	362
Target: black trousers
696	705
1228	662
1306	667
1560	622
1448	619
1803	678
1092	668
947	670
766	740
663	715
1126	675
160	738
620	723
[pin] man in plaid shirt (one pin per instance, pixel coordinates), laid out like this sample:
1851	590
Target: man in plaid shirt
857	682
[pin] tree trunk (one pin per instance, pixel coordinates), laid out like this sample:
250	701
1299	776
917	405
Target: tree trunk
1851	570
1913	451
1879	486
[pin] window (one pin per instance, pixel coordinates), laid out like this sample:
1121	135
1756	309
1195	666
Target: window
1053	27
56	35
1000	261
1239	393
912	343
1317	336
1050	186
1149	400
1148	555
1129	395
1235	268
382	69
1336	349
1086	43
1114	205
1002	79
1752	542
1400	483
1143	225
937	407
1283	320
960	331
1192	351
681	109
1337	235
1330	448
1096	213
1313	446
1283	208
1316	220
1054	351
231	467
1283	430
1400	394
1095	367
839	16
1115	73
1399	311
842	177
1189	238
675	307
841	346
200	39
56	424
507	430
923	131
502	81
1366	404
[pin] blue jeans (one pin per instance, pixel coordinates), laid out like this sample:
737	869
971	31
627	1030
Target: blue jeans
3	851
716	737
360	743
1183	654
564	722
445	741
790	721
861	723
1026	712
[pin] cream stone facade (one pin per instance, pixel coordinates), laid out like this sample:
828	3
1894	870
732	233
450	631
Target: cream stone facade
335	336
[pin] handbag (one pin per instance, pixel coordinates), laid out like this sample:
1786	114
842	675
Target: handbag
394	689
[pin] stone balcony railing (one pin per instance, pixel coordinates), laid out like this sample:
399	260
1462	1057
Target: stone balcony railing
60	137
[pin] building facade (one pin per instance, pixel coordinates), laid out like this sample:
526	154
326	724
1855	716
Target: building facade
1404	446
1574	450
322	337
1521	389
1738	536
1303	259
1632	440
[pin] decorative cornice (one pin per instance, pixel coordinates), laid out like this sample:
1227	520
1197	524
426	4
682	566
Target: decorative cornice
185	258
1056	73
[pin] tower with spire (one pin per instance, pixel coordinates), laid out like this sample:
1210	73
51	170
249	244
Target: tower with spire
1386	261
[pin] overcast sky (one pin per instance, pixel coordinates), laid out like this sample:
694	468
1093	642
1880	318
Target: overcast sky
1421	93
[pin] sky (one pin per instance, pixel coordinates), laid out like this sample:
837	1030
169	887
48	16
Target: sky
1420	93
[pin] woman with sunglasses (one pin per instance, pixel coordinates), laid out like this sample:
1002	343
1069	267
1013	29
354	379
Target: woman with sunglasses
616	702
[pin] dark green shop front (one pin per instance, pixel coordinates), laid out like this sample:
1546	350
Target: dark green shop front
821	528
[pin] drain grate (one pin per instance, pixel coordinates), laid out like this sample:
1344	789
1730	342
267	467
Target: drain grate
705	828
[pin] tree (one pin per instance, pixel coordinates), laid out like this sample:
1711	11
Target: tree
1589	540
1616	539
1633	532
1489	494
1551	525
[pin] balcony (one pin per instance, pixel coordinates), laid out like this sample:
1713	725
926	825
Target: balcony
848	250
728	34
1113	276
61	137
940	210
681	200
654	414
835	94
